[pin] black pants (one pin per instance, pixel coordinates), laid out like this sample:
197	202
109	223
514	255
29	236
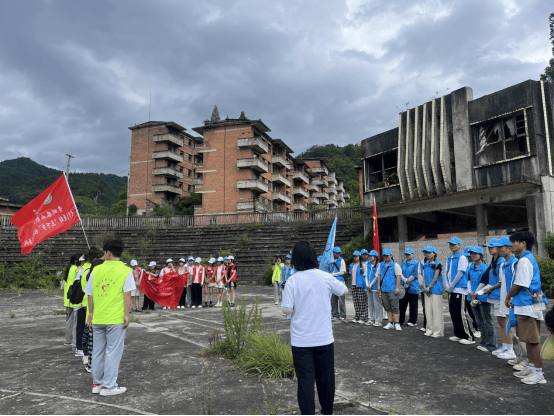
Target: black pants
457	308
315	364
81	317
470	310
183	299
148	303
423	304
196	295
408	299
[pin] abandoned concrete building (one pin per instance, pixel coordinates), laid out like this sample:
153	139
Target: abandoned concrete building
458	164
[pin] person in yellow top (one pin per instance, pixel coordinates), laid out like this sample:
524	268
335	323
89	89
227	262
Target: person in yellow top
75	308
109	298
276	278
69	275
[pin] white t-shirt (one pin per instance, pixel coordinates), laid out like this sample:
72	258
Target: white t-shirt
462	266
308	293
524	276
127	287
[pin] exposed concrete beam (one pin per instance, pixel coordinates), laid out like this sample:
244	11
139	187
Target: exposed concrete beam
425	216
458	213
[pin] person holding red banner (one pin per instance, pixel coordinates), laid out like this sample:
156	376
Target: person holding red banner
183	270
197	281
209	283
167	269
152	273
135	294
220	280
231	279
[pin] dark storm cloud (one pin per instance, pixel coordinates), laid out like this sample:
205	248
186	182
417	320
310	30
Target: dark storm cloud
74	76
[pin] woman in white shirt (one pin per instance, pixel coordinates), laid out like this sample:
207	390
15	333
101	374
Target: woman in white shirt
306	298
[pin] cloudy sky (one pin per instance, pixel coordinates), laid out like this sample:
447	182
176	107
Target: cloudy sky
75	75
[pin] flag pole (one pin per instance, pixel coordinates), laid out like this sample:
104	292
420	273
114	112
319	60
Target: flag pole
76	209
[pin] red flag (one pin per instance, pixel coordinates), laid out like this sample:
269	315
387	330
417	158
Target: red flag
49	214
165	290
375	230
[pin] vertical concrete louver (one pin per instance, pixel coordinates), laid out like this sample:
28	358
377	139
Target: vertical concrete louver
401	155
445	147
546	131
409	157
426	152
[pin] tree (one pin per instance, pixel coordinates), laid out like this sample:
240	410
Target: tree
242	116
185	205
548	75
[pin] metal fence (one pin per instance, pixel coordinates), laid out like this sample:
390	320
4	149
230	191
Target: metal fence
208	220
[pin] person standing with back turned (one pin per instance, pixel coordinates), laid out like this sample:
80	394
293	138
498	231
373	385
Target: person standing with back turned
306	298
109	288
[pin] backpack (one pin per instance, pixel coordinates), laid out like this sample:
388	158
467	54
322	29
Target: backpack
75	293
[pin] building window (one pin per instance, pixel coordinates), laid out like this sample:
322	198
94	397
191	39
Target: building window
180	168
180	185
181	153
381	171
500	139
189	187
190	158
190	143
188	174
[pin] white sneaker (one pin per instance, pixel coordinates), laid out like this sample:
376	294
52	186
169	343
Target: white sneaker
428	333
454	339
79	353
113	391
436	336
388	326
498	351
513	362
377	324
466	342
178	307
96	388
342	319
193	307
479	347
276	303
523	373
164	307
522	365
508	355
354	321
369	323
477	334
423	329
397	327
534	379
199	306
410	324
361	322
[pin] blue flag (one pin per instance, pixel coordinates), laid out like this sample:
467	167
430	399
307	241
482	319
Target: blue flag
327	257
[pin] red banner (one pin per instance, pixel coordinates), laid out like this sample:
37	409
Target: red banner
49	214
165	290
375	230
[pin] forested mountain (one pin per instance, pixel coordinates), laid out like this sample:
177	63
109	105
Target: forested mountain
343	160
22	179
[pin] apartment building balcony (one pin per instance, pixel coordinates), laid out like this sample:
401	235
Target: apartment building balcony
332	179
340	188
278	178
198	181
332	204
278	196
313	188
250	206
300	191
279	160
256	164
346	196
299	207
321	182
313	201
255	143
198	165
197	207
323	195
198	145
168	138
332	190
340	199
301	176
253	185
323	171
169	172
167	188
168	155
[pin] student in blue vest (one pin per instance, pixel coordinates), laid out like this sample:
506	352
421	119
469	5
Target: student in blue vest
338	303
389	276
287	271
421	278
359	289
373	302
433	288
410	269
492	279
481	307
474	326
516	353
455	278
523	295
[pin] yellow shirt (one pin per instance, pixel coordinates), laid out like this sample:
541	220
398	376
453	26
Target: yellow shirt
108	298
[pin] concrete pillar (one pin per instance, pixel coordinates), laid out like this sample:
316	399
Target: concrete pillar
463	150
535	218
481	218
402	233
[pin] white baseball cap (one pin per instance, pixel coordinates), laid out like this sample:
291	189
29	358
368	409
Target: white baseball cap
182	259
169	261
212	260
198	260
220	259
152	263
82	258
134	263
231	258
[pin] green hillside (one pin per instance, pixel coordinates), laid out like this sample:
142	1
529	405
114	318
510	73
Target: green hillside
343	160
21	180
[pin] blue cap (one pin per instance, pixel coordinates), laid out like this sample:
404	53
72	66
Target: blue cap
505	241
409	251
190	258
356	253
477	250
337	250
493	243
225	258
319	258
466	250
387	252
429	249
288	256
455	240
373	253
363	251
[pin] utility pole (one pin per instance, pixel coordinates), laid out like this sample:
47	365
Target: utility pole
69	157
128	180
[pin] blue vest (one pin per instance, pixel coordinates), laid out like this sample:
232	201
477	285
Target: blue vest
287	272
494	278
523	298
475	274
409	269
336	268
360	278
371	272
452	267
508	274
429	274
388	278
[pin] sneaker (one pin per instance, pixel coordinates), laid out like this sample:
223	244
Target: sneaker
428	333
113	391
354	321
193	307
436	336
178	307
522	365
466	342
477	334
410	324
513	362
388	326
454	339
88	369
508	355
423	329
361	322
498	351
534	379
523	373
397	327
480	347
96	388
276	303
79	353
386	318
165	307
199	306
370	323
342	319
377	324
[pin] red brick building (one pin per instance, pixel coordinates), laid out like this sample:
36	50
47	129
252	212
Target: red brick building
7	208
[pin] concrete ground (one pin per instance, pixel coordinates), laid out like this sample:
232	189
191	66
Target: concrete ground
377	371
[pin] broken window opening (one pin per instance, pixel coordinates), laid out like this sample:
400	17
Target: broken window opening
381	171
501	139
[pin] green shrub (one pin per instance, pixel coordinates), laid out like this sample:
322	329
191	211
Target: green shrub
252	227
266	355
546	266
549	243
268	272
126	257
29	274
